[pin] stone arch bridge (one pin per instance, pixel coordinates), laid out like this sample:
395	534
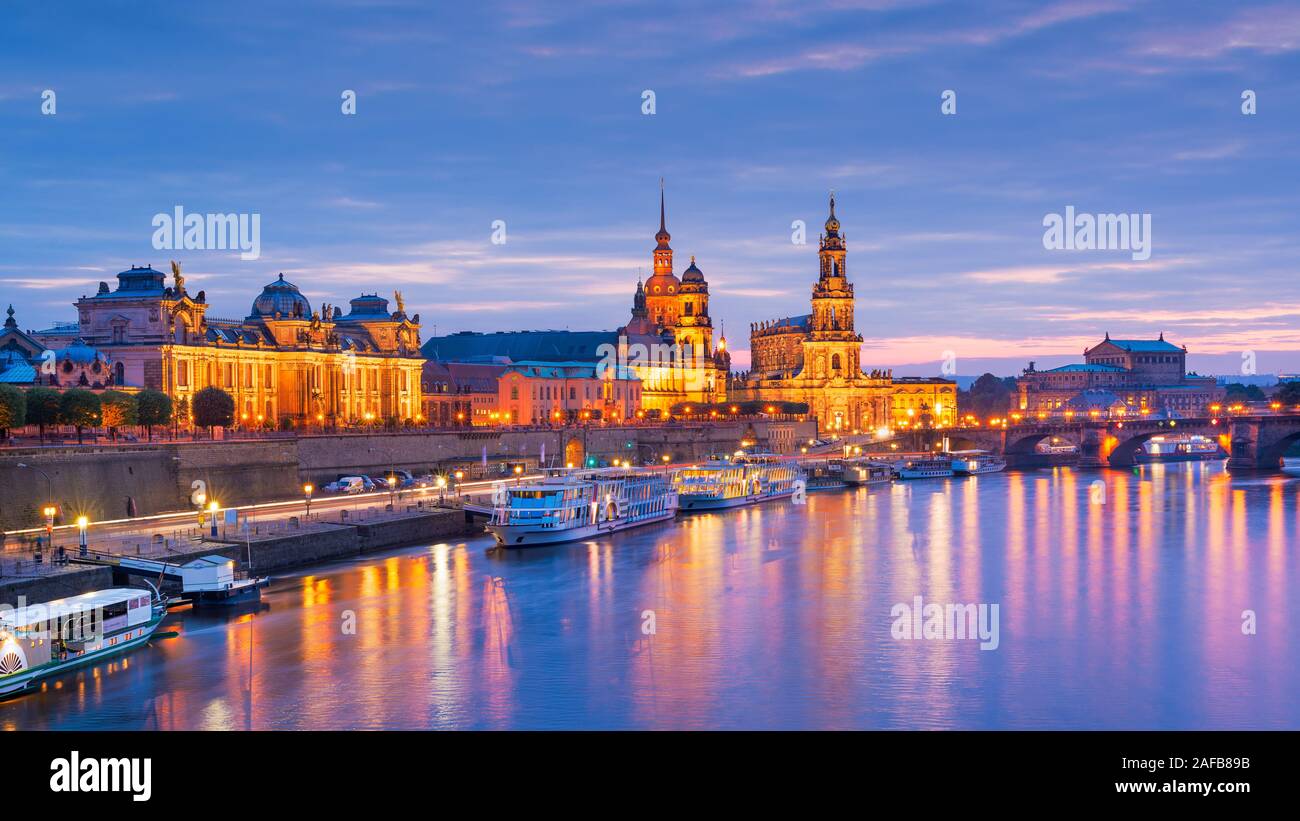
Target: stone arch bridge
1253	443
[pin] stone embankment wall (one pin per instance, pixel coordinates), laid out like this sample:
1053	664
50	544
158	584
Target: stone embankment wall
161	478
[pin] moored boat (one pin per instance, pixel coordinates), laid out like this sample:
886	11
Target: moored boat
742	480
571	504
972	462
45	639
867	472
923	467
1178	447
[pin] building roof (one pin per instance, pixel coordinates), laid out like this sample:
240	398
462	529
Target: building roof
567	370
280	297
790	323
1089	368
16	371
1146	345
520	346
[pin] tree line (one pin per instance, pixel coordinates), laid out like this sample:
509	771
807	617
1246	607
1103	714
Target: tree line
80	409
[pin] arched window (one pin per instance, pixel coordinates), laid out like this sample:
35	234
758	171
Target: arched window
835	362
119	374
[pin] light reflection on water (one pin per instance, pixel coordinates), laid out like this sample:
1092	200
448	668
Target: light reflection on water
1122	615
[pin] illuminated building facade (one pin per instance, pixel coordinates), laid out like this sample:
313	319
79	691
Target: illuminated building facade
667	346
816	358
541	393
283	364
1120	377
922	401
26	361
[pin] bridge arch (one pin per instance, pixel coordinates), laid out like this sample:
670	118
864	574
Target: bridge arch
574	454
1270	456
1027	445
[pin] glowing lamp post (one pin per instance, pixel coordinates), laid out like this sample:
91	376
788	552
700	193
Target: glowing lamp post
306	492
442	488
392	490
82	523
213	507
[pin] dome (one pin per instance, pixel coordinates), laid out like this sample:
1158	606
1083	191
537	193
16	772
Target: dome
281	297
368	306
692	274
79	353
832	222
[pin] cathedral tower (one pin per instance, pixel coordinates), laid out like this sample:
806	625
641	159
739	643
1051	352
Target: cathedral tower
833	344
663	286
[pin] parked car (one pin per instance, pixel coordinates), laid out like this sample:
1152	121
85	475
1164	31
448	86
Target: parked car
404	478
346	484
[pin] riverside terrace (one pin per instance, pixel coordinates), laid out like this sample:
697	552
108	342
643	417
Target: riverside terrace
261	538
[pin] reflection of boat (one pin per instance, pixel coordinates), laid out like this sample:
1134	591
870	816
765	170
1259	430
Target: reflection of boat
867	472
42	640
971	462
923	467
743	480
1178	447
570	504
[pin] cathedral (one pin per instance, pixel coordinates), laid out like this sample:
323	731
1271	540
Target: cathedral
815	358
669	342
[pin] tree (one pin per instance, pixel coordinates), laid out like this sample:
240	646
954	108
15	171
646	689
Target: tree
42	408
1239	394
988	396
152	408
79	408
1288	394
213	407
117	410
13	410
180	414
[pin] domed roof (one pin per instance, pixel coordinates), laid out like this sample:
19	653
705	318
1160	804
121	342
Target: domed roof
832	222
79	353
692	274
281	297
367	306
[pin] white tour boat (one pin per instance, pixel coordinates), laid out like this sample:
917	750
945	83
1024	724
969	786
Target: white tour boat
971	462
46	639
568	504
923	467
866	472
742	480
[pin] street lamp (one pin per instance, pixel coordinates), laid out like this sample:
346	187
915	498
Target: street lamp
306	492
213	507
442	488
392	487
82	523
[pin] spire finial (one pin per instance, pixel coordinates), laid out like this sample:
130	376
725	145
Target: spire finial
663	225
832	202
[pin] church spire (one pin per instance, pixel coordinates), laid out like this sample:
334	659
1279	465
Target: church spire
663	236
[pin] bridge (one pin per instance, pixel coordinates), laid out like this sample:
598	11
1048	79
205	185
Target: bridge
1253	443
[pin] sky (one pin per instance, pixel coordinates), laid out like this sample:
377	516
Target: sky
532	114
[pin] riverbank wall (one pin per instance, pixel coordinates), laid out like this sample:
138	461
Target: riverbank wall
106	482
316	542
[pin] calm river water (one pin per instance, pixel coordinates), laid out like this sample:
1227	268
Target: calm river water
1122	614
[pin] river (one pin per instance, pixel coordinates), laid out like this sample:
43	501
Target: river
1120	605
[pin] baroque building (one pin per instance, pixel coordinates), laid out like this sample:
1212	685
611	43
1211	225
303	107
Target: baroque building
284	363
667	346
27	361
816	358
1120	377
